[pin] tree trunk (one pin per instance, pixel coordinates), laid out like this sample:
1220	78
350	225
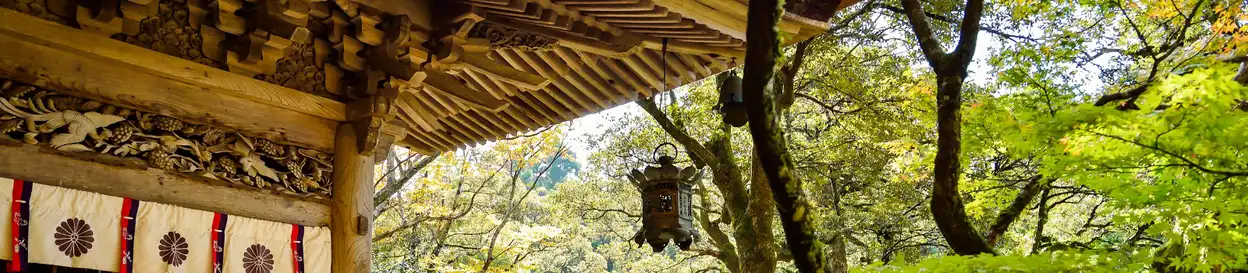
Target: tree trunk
762	47
950	68
1042	217
760	212
837	258
947	207
1242	76
837	262
754	240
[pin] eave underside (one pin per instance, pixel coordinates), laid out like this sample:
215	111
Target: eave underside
458	85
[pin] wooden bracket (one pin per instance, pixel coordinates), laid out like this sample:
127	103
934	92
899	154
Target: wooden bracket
257	53
370	115
365	24
134	11
102	19
199	11
391	132
227	19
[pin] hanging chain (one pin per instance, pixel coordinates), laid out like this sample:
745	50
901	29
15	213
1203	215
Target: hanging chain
671	97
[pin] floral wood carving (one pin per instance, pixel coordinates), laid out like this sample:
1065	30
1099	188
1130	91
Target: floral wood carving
72	124
298	71
171	33
37	8
510	38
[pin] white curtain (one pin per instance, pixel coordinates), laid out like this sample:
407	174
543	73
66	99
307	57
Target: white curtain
172	239
82	229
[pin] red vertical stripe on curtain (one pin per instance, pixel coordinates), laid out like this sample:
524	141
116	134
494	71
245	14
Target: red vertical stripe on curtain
296	247
129	213
218	241
20	224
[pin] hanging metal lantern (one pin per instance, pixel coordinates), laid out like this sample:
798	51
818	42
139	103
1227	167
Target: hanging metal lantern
732	101
667	203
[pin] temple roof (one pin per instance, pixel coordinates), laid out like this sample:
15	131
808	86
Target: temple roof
604	53
435	74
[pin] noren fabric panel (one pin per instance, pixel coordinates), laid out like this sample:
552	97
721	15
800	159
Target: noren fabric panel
74	228
257	246
172	239
6	206
79	229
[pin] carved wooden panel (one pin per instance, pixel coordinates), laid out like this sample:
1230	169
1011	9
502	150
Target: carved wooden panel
71	124
170	32
509	38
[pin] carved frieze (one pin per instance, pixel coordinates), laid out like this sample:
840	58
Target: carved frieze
505	37
43	117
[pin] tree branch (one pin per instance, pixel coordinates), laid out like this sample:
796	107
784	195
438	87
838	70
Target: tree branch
1242	76
1189	162
945	19
391	188
969	33
690	144
1130	94
789	73
923	31
1007	216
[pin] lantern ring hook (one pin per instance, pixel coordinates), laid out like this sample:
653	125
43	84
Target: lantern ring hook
655	155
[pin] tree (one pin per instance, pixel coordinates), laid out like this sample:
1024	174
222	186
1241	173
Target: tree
950	69
762	47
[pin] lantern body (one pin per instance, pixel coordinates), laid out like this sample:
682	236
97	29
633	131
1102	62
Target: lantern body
667	205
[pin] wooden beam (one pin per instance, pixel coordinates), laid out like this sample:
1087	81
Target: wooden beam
410	106
201	77
693	48
352	206
703	14
119	177
631	77
84	65
449	86
726	16
515	60
524	80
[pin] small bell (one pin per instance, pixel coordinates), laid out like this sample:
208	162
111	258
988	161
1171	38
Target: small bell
732	102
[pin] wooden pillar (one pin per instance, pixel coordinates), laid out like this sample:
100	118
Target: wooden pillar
352	206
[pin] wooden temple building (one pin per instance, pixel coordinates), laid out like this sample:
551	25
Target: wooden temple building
127	115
